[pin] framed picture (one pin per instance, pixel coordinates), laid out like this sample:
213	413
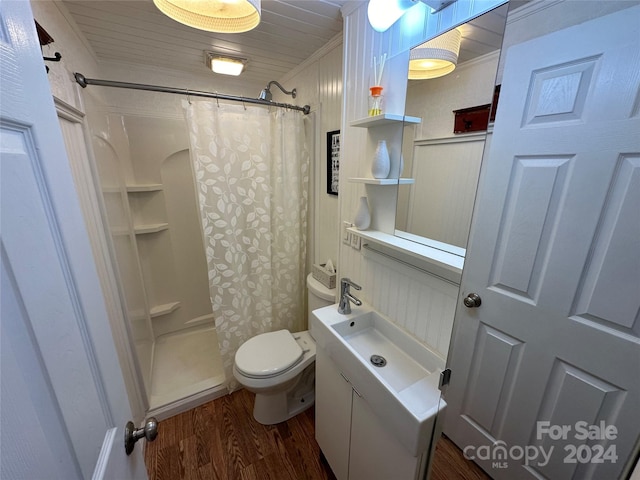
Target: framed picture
333	161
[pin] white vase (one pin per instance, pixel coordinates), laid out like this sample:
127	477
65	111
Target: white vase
381	163
362	219
395	171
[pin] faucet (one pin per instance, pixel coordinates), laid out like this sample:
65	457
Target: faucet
344	307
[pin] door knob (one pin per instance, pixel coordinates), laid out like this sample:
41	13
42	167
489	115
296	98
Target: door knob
472	300
133	434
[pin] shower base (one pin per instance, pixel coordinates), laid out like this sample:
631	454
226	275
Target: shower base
187	368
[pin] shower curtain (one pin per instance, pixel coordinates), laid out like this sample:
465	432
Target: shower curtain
251	167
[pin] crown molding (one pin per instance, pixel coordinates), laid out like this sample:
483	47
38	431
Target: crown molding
530	8
351	6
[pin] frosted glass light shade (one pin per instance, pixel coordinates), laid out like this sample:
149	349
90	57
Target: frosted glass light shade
435	58
227	66
384	13
222	16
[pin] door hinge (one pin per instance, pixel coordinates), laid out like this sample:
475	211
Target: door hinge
445	378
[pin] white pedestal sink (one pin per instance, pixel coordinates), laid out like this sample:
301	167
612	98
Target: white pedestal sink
404	392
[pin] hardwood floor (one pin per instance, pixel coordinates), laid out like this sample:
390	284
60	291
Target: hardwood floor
450	464
221	440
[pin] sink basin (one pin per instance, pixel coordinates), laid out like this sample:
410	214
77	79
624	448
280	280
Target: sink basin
404	392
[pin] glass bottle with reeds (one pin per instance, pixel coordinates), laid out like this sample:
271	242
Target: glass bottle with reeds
376	98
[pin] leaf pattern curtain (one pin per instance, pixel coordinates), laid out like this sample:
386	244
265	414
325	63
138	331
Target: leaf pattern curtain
251	168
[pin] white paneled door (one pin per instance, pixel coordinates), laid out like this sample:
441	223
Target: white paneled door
546	371
64	404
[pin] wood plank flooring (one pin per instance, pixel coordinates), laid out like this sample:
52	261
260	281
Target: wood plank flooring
450	464
220	440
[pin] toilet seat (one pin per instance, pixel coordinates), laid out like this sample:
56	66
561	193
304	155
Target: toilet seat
268	355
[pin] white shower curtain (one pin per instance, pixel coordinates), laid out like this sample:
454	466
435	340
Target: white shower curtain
251	167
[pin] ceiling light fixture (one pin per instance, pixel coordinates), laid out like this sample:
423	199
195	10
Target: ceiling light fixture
221	16
224	64
384	13
436	57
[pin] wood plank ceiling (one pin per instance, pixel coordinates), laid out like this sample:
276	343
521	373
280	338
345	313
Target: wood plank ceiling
135	32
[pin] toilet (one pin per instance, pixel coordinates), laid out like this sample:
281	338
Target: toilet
279	367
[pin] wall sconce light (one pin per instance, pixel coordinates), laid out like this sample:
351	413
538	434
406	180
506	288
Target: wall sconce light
224	64
435	58
384	13
221	16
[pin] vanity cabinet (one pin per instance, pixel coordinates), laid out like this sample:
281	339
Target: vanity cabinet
352	438
333	414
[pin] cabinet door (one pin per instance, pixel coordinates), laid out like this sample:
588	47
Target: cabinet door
333	414
375	453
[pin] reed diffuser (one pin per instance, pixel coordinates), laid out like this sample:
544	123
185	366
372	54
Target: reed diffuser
375	91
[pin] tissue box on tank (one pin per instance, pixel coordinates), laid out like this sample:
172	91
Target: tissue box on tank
328	279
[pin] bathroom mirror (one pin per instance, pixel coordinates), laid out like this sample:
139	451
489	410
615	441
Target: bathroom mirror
436	209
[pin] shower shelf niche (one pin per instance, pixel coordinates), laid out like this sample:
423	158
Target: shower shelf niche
142	188
163	309
150	228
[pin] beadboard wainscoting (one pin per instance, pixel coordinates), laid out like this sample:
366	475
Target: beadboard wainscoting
419	302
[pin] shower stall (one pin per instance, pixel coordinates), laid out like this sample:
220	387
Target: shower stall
145	173
150	206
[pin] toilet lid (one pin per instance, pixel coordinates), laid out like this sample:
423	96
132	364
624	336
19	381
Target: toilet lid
268	354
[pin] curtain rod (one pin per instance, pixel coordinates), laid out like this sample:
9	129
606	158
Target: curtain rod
83	82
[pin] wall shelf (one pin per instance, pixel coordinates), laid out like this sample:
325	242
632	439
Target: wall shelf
384	119
150	228
383	181
163	309
432	260
151	187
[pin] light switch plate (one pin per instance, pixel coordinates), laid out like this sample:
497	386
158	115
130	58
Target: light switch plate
355	241
346	235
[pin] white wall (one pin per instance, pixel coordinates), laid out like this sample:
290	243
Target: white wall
318	81
77	56
419	302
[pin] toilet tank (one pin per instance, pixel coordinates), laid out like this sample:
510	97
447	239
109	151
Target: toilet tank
318	295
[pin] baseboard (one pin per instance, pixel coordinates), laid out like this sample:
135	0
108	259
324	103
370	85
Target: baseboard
184	404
